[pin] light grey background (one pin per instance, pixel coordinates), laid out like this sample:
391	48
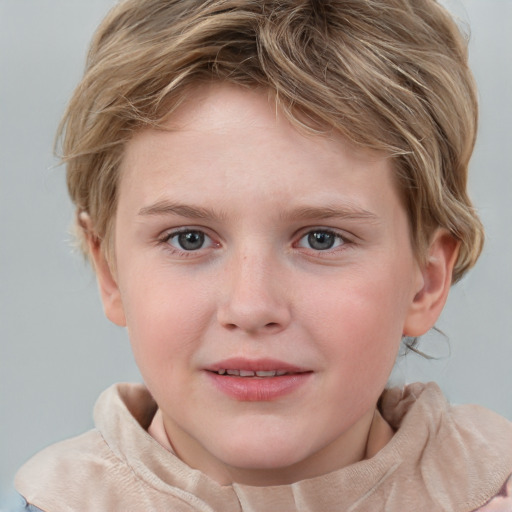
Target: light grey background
57	350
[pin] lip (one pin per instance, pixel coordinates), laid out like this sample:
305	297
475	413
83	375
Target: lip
241	363
257	389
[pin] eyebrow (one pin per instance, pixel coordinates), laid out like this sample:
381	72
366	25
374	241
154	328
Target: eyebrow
348	212
182	210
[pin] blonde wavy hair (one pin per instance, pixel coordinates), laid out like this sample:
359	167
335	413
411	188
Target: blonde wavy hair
390	75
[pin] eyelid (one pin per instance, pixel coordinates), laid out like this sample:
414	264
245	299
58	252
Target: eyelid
168	235
346	238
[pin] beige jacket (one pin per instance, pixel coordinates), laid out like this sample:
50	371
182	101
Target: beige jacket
442	458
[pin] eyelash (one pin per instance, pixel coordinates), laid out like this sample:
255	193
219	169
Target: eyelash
167	238
342	241
338	240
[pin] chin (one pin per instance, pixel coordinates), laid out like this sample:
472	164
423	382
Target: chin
261	454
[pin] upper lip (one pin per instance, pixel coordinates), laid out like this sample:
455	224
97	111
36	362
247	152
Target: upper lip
240	363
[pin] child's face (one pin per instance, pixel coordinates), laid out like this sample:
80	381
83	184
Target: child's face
242	244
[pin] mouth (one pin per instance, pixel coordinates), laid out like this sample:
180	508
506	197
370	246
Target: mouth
260	380
257	368
250	373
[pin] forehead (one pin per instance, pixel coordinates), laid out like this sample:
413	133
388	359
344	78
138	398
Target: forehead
238	144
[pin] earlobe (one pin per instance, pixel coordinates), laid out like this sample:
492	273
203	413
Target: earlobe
430	299
109	290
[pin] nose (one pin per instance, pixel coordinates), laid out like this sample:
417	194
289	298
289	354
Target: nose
253	298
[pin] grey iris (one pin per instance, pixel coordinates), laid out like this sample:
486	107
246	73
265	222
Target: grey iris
191	240
321	240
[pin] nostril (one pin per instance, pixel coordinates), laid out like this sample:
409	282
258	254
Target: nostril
253	317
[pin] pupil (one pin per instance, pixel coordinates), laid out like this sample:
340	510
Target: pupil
191	240
321	240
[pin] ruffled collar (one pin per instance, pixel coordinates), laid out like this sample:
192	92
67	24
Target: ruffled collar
433	442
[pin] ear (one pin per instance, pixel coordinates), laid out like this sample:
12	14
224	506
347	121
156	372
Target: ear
109	291
435	285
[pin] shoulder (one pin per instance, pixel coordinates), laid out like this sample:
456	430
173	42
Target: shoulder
87	452
84	473
474	418
47	475
486	439
66	472
468	427
116	466
462	454
502	502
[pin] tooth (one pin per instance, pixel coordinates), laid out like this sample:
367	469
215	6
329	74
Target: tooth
233	372
281	372
221	372
246	373
271	373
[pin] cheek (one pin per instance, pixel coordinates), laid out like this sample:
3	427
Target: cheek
360	320
165	319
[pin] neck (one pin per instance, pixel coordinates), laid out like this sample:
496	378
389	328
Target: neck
364	442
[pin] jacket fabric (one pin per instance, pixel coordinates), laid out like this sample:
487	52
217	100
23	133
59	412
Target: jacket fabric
441	458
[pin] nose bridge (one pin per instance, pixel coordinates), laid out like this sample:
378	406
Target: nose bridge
253	298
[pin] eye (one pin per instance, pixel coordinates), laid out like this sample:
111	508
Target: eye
321	240
189	240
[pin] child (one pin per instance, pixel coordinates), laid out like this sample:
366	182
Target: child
273	195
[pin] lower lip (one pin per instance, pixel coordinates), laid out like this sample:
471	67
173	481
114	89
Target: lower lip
258	389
